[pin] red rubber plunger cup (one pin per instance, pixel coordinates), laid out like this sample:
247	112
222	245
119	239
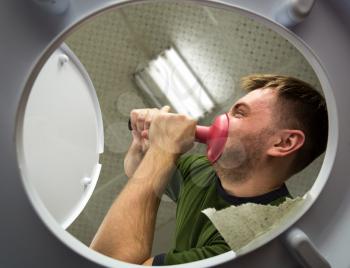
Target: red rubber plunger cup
214	136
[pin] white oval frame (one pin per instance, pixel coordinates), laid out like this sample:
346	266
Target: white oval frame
314	192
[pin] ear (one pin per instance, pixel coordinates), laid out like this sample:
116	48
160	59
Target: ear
285	142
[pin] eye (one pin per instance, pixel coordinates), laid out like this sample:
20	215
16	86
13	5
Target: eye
238	113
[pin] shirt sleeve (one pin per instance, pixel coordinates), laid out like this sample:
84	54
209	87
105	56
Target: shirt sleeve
194	254
158	260
183	165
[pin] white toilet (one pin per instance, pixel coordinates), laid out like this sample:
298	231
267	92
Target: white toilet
35	213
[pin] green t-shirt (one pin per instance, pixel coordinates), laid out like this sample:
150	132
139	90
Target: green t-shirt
195	186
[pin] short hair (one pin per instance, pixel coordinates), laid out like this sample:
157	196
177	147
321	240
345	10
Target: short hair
300	106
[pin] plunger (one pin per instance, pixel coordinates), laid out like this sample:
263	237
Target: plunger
214	136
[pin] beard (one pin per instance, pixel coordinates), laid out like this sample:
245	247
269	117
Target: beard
242	157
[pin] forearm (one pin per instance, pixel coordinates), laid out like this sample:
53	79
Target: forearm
132	160
128	228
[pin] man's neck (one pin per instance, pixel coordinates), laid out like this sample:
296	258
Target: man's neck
249	186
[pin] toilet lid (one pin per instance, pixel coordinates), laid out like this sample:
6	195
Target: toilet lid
63	136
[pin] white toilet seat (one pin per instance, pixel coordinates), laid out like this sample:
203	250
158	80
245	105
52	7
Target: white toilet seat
63	136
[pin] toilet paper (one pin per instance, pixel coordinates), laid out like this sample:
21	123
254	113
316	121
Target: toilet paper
243	225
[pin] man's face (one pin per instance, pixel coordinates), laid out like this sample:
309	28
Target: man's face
251	125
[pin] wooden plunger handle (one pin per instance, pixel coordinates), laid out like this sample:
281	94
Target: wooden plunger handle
129	124
201	132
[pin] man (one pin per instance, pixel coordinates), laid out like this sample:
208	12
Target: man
275	130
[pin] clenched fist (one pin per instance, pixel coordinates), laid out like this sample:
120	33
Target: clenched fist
172	133
140	120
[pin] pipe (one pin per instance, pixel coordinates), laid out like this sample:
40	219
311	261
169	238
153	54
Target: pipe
57	7
292	12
